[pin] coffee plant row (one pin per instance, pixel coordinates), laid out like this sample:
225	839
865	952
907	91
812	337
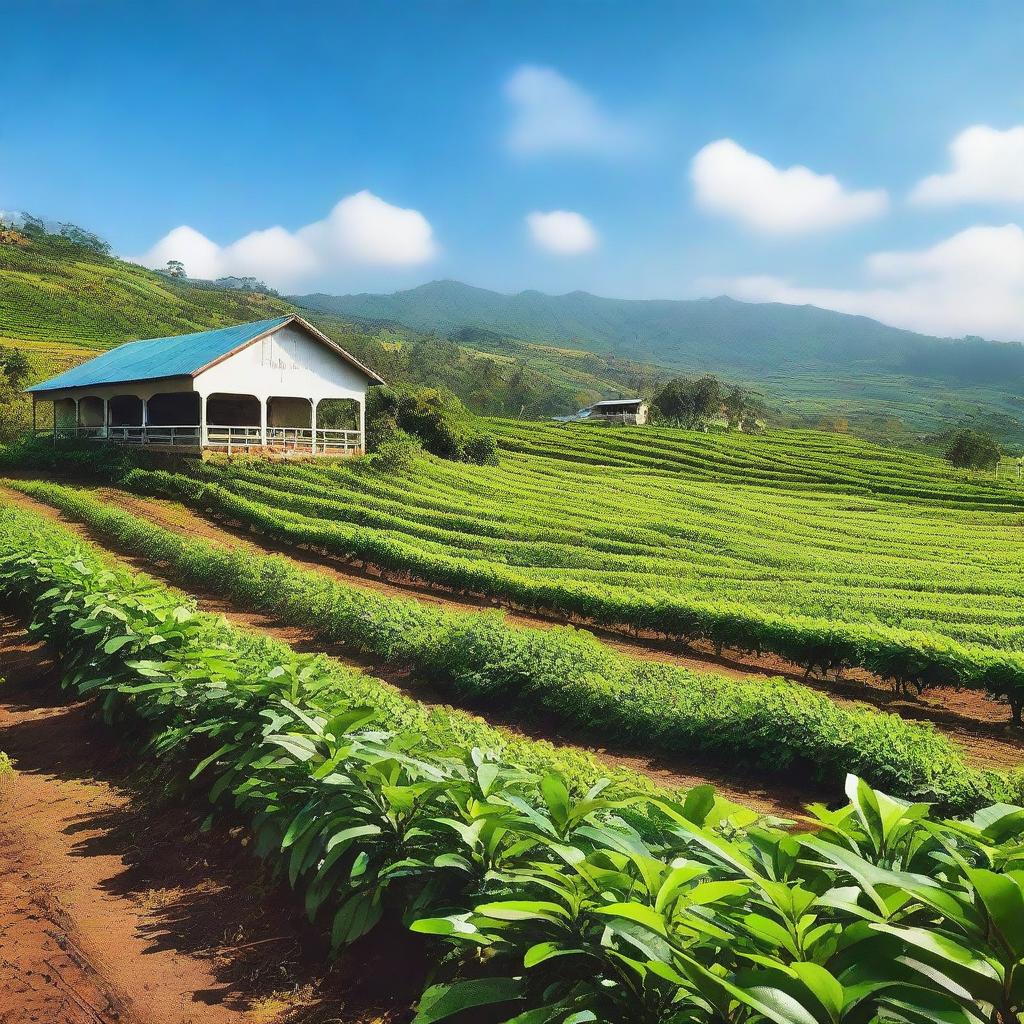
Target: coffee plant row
571	900
919	613
771	724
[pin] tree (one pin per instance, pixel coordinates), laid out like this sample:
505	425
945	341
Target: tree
176	268
689	403
15	366
735	405
971	449
86	239
674	402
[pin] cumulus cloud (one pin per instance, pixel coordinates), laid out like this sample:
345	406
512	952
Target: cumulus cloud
739	184
362	229
562	231
987	165
970	283
552	114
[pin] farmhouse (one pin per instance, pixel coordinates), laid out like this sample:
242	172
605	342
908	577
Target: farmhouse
258	385
632	411
620	410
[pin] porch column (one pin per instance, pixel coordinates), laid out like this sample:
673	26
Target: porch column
34	428
105	430
202	421
362	427
263	422
78	417
313	403
145	418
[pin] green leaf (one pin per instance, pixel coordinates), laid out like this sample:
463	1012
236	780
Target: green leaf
442	1001
355	918
523	910
1004	902
543	951
113	645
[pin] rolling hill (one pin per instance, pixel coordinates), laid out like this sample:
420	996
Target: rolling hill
816	367
60	302
717	334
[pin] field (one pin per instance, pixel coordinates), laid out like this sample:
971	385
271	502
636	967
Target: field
828	552
372	804
791	617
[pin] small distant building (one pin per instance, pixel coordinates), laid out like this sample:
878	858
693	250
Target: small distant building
629	411
249	386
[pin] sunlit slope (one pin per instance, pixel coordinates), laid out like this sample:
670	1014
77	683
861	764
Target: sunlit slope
56	292
792	524
781	459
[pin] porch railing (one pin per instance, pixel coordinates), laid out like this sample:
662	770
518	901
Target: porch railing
319	440
228	438
178	434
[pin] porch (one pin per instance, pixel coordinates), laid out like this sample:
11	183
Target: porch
194	422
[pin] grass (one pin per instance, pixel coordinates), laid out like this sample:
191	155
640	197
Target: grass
61	294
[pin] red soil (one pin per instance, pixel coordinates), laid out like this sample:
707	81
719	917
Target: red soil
115	910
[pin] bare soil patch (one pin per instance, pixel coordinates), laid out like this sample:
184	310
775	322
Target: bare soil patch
114	908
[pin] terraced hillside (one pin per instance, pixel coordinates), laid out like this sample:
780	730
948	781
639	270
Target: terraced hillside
828	552
57	292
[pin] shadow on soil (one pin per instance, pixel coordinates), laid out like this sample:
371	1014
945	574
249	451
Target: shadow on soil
201	894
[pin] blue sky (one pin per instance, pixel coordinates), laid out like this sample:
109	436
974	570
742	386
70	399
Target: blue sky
629	149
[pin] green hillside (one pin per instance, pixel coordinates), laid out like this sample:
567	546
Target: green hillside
55	291
722	331
528	354
60	302
814	365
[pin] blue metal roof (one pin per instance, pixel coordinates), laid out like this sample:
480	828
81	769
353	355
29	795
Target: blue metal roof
179	356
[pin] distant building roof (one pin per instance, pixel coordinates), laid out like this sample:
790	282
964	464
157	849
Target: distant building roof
182	355
618	401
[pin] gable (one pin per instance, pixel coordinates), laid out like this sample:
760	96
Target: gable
293	359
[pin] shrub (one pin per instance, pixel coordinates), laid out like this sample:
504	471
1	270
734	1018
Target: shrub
397	453
972	449
482	449
435	416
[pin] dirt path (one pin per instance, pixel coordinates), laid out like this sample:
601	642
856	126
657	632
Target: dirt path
770	796
116	910
978	724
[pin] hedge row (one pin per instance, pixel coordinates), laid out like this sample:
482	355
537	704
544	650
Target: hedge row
565	673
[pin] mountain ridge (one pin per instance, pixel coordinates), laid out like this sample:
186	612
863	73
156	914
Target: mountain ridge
719	330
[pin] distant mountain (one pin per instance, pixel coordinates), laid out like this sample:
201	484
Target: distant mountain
718	333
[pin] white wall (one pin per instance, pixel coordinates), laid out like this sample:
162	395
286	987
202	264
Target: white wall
287	363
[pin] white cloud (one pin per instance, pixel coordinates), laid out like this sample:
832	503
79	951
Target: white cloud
732	181
562	231
364	229
987	166
361	229
552	114
970	283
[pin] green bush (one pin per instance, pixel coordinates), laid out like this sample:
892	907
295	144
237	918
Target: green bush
435	416
771	724
397	453
569	905
482	449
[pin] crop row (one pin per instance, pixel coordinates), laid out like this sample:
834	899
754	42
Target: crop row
794	556
908	658
791	459
570	904
566	673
